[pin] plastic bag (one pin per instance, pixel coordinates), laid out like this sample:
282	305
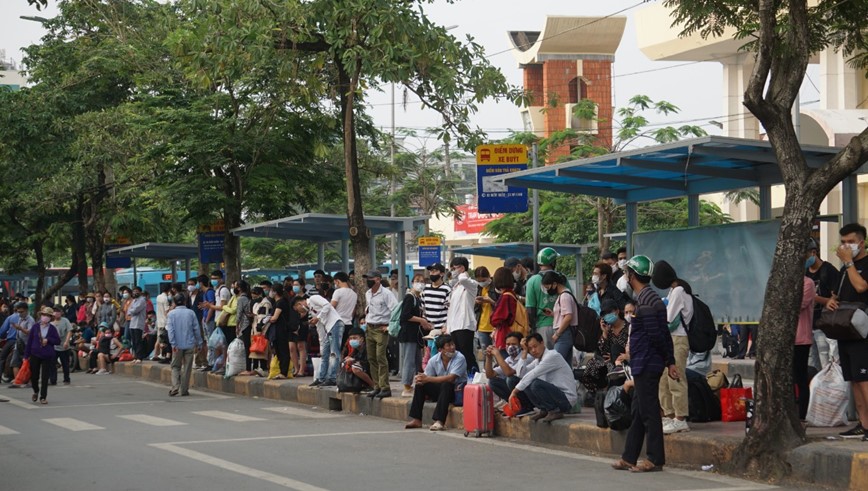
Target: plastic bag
829	396
258	344
23	376
216	345
733	405
617	408
237	358
479	378
274	368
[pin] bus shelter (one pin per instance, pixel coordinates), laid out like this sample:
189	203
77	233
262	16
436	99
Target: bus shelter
523	249
155	250
324	228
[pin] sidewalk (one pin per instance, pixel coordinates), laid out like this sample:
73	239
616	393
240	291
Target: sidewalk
838	464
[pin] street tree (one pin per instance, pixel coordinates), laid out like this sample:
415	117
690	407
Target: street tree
783	35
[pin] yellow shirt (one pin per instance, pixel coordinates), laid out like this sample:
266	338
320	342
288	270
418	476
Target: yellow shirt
485	315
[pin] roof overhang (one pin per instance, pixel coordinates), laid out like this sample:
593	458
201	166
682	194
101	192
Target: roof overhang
520	249
321	228
569	38
155	250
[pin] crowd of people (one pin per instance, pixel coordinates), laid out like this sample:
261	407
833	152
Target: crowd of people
515	328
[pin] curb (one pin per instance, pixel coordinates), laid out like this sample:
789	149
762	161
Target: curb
823	463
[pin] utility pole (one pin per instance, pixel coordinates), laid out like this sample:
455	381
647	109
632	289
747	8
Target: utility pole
394	245
535	200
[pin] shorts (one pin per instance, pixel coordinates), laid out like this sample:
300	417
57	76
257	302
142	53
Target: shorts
300	336
854	360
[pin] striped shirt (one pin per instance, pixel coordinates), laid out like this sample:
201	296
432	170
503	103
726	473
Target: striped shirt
650	342
435	300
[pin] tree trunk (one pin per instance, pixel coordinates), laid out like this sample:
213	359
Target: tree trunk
79	247
359	232
40	271
96	248
232	245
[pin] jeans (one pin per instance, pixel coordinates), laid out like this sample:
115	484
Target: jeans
6	354
646	421
672	393
443	393
411	362
331	345
39	372
547	397
484	339
376	340
181	377
502	387
564	346
547	332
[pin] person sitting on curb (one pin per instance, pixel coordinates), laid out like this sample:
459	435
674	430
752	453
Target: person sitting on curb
355	356
505	376
547	381
445	371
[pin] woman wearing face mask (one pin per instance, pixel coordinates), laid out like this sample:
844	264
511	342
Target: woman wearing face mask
486	299
410	335
40	351
565	313
279	336
107	312
85	311
613	343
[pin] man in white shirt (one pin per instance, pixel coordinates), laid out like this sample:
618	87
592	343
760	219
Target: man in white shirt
547	381
162	312
344	299
461	317
503	377
327	320
380	303
679	313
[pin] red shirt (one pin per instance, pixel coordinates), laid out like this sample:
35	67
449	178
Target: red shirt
503	317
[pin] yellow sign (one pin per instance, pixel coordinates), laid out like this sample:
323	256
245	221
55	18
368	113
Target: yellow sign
501	154
429	241
217	226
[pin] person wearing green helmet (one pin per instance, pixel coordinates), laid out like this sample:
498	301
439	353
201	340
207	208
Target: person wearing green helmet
650	354
538	302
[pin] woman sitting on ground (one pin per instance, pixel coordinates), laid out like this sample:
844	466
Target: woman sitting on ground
613	343
109	350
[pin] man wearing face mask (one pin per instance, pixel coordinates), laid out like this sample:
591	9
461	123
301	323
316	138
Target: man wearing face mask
503	372
137	313
107	311
825	278
618	267
445	371
539	303
380	303
331	330
435	297
460	318
520	274
854	288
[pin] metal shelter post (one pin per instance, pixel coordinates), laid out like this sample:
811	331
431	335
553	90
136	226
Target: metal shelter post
402	263
345	255
579	274
186	269
372	245
850	199
693	210
535	202
135	273
320	255
174	270
765	202
632	221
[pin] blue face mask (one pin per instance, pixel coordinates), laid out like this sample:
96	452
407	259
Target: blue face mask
810	262
610	319
214	283
355	343
296	288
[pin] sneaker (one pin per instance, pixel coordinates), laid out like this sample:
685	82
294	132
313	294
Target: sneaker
865	438
437	426
667	421
329	383
407	393
676	426
316	383
102	372
855	432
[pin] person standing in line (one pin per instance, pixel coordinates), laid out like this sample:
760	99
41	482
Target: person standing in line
486	300
539	303
460	318
825	278
161	309
380	303
137	313
410	334
435	297
39	350
344	300
650	352
185	338
279	336
802	348
107	311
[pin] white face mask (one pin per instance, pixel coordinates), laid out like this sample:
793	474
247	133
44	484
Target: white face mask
622	263
485	283
418	286
855	249
595	279
628	318
191	288
516	275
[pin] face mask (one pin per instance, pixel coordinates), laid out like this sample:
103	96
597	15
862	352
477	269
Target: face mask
191	288
236	291
106	299
595	279
628	318
107	334
810	261
136	294
296	288
355	343
552	291
44	319
447	355
126	296
485	283
435	278
622	263
270	293
610	319
855	249
512	351
418	287
89	300
516	275
214	283
371	283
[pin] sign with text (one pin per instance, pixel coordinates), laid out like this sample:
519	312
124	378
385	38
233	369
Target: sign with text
211	247
429	255
114	262
471	221
492	162
430	241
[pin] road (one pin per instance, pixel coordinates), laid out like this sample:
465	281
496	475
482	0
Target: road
116	433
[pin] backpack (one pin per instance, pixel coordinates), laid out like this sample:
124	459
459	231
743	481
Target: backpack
520	323
702	330
586	330
395	320
703	405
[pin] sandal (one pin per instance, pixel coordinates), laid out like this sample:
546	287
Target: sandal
622	465
646	466
34	397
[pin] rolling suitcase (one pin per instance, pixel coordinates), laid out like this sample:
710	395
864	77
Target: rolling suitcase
478	410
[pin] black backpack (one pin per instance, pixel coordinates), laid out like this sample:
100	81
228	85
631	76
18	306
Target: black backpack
703	405
586	330
702	330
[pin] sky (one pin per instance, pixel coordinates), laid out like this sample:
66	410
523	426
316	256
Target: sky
696	89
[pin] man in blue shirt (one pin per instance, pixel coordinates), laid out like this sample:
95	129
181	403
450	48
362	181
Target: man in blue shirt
9	332
445	371
206	296
185	338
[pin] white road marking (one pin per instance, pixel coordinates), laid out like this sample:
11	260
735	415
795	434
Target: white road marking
151	420
72	424
51	406
286	437
238	418
192	391
306	413
733	484
21	404
238	468
7	431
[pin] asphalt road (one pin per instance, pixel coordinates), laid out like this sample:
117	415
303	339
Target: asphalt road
115	433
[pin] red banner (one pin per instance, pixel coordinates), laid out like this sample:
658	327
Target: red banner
471	221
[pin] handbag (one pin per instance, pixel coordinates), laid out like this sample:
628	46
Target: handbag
717	380
348	382
223	320
848	322
258	344
733	401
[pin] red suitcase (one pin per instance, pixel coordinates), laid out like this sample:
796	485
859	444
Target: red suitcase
478	410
